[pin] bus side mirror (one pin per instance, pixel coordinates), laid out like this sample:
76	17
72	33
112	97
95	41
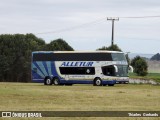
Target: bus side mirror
116	68
130	68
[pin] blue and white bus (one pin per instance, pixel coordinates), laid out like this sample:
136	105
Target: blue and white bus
79	67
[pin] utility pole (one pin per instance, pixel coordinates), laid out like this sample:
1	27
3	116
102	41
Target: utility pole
113	19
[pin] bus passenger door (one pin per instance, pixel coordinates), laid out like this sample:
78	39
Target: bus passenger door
98	72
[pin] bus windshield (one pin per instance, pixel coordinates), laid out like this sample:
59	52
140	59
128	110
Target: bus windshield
122	71
118	57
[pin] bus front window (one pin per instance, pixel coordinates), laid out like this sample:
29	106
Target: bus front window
122	71
118	57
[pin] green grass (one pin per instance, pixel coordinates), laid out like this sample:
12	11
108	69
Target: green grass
37	97
150	76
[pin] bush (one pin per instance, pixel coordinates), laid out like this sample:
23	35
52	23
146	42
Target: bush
140	66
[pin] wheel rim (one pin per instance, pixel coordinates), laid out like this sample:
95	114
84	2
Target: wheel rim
56	81
98	82
48	81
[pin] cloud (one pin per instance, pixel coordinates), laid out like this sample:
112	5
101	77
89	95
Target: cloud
34	16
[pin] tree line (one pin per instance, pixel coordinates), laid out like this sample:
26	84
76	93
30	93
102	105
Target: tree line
15	55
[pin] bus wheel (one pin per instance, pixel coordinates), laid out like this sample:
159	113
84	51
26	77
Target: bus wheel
48	81
56	81
97	82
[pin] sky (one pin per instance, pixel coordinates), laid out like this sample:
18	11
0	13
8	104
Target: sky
83	24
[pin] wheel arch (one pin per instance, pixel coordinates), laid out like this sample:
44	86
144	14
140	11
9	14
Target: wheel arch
53	77
97	78
94	81
46	77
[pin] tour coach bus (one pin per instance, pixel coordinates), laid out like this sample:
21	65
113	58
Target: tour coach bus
79	67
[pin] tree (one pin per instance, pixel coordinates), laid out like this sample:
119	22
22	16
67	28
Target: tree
15	55
111	48
128	59
156	57
140	66
58	45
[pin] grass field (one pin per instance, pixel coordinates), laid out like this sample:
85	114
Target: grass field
150	76
32	96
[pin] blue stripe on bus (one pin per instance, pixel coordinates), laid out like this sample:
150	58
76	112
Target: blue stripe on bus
39	72
40	64
86	82
36	75
53	69
46	68
48	63
38	81
39	68
78	81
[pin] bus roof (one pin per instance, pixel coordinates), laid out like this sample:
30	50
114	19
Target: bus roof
98	51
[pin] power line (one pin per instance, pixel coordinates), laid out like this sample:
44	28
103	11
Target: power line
96	22
75	27
141	17
133	38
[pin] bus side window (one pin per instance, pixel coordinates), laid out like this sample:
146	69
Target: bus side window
90	70
77	70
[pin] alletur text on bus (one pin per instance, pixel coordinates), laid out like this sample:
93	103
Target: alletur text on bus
77	64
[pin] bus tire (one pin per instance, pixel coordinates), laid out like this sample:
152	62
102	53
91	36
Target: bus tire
56	81
48	81
97	82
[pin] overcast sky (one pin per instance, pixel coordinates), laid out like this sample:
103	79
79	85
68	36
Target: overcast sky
40	16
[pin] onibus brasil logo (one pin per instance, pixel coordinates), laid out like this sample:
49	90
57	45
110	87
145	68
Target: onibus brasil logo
21	114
